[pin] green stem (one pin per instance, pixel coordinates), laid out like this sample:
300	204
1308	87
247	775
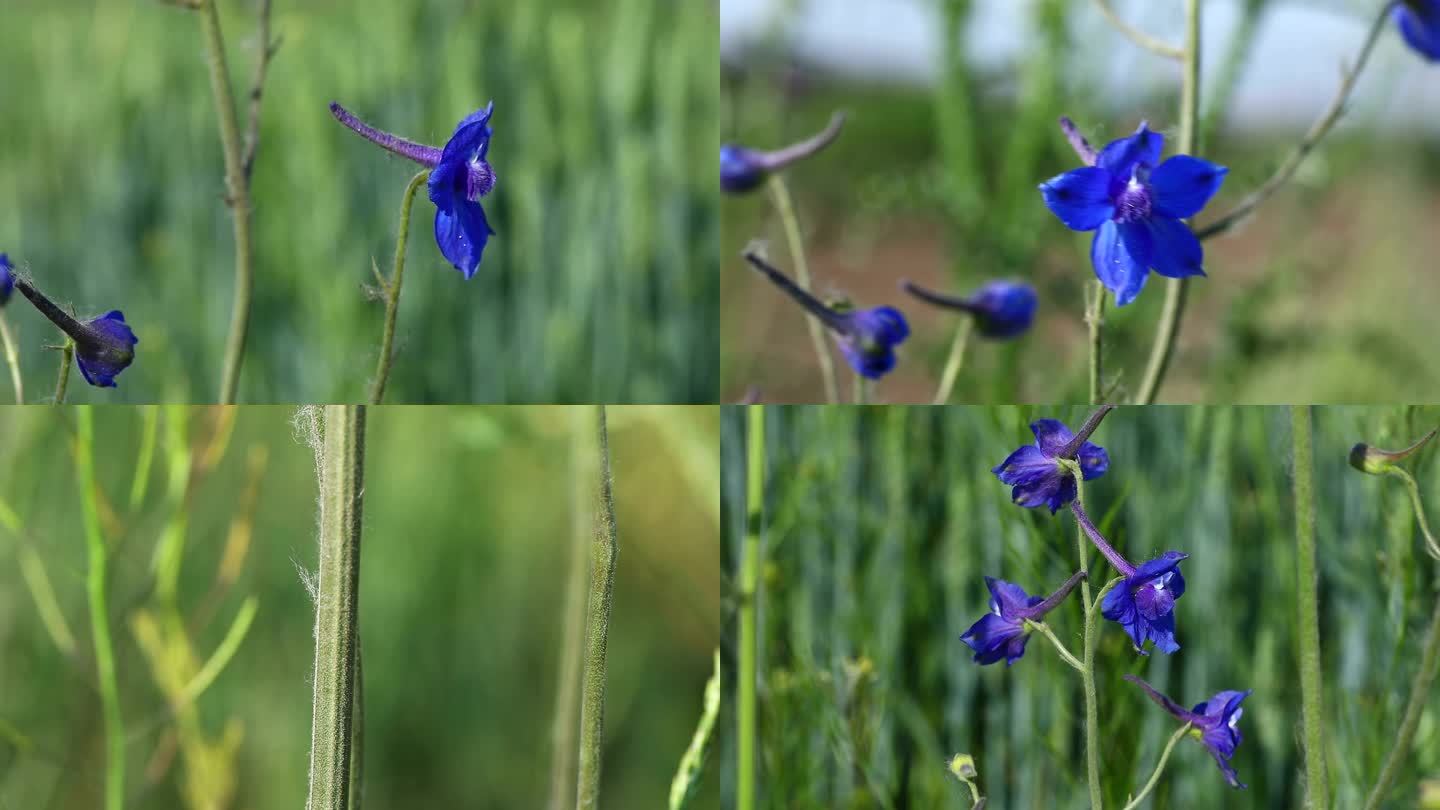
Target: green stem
237	196
1414	707
1095	320
67	352
603	550
749	593
786	210
1159	766
12	359
1087	668
1168	330
357	734
1307	584
956	359
337	610
567	685
392	290
95	588
1135	35
1430	544
1044	630
692	765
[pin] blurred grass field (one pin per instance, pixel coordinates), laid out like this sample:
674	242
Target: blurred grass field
1326	295
880	524
465	552
598	288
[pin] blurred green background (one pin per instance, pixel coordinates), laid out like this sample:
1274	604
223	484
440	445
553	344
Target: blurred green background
880	524
598	288
466	538
1327	295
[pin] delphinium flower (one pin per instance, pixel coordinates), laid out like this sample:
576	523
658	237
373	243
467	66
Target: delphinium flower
867	337
1214	723
104	346
1002	632
460	175
1035	470
7	279
743	169
1135	205
1144	602
1001	309
1419	22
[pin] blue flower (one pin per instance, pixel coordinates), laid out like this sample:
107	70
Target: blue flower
1035	472
867	337
1001	309
1135	205
1001	633
1144	604
460	175
743	169
7	279
1215	723
1419	22
107	350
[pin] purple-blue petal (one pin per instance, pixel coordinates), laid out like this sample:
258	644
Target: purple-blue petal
1010	599
1419	24
1182	185
1120	157
7	279
1177	252
1051	435
1004	309
461	234
1164	564
109	352
1094	461
471	138
741	169
1114	265
993	638
1026	466
1080	198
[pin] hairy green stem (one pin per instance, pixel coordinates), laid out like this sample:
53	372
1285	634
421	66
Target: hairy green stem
1159	766
1168	330
1419	694
692	765
392	291
567	684
1087	668
62	382
337	610
1307	585
95	589
604	548
12	359
785	208
1430	544
1095	320
956	359
1044	630
237	187
749	593
357	734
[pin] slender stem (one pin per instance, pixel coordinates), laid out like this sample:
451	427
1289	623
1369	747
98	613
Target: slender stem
257	88
1419	694
749	594
1317	131
1430	545
392	290
12	359
955	360
1307	584
357	734
237	197
1087	667
67	352
337	610
862	390
1087	528
1135	35
1095	320
1159	766
1044	630
1168	330
567	684
1100	597
692	765
604	549
785	208
95	589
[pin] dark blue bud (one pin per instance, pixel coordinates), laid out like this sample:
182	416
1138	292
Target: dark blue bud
104	346
1001	309
741	169
7	279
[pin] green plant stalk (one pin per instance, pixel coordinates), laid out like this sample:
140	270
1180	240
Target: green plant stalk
955	361
12	359
1159	766
95	589
32	570
357	735
1135	35
1430	544
1087	669
392	290
1419	694
1095	320
237	196
1064	651
567	684
1307	583
149	432
785	208
749	593
67	352
604	549
692	765
337	610
1168	330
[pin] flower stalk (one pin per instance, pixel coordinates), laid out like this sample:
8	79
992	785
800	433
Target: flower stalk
12	359
785	209
1159	767
62	381
749	594
390	288
603	551
1307	581
692	765
954	361
1087	667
